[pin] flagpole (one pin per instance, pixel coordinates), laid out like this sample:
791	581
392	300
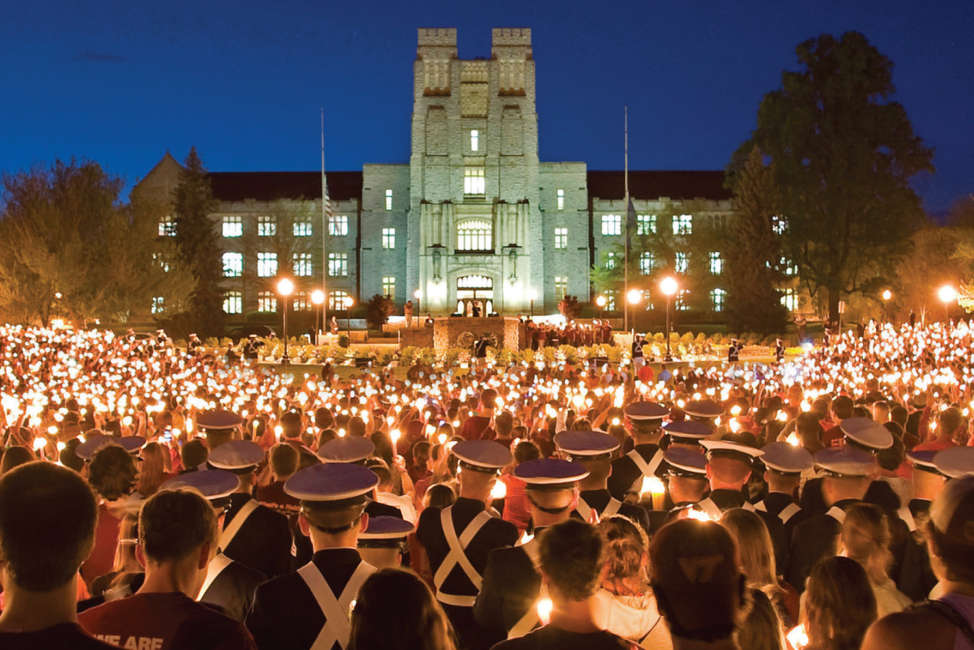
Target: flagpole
625	292
325	208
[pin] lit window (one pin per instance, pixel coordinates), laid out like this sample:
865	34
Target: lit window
646	262
388	199
300	301
167	227
232	302
788	266
161	260
645	224
719	221
301	262
789	298
683	224
611	224
681	300
158	304
561	286
717	298
560	198
302	228
474	236
682	262
648	299
266	301
389	286
474	181
561	237
610	260
778	225
338	265
232	265
389	238
610	300
474	140
266	226
338	225
266	265
232	226
339	301
716	263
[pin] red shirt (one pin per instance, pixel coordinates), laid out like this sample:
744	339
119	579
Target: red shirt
477	427
102	558
937	444
516	502
165	621
833	437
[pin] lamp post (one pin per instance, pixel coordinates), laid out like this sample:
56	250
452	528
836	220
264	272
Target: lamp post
532	295
668	286
285	287
886	295
348	318
947	295
417	295
317	299
633	296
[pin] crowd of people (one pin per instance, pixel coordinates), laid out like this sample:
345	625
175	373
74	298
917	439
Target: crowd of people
156	497
541	334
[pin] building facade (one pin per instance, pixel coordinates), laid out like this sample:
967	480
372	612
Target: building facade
474	220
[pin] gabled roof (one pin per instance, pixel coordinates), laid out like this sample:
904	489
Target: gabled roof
269	186
650	185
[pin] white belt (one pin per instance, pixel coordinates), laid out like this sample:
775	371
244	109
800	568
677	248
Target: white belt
458	556
338	626
836	513
708	506
213	571
788	512
237	523
456	601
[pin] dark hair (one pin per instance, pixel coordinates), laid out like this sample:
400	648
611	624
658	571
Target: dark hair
439	495
840	604
174	523
47	524
14	456
760	628
572	554
153	471
525	451
503	423
843	407
395	610
893	456
284	459
193	454
626	548
112	472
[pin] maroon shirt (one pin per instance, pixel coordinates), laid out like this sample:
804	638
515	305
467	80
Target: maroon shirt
68	636
167	621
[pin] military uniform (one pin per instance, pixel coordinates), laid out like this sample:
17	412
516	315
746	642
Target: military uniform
311	608
783	459
458	539
645	460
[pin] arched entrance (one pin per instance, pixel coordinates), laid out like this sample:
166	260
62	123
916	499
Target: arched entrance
475	295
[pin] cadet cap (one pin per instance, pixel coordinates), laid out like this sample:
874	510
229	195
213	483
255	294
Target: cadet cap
783	458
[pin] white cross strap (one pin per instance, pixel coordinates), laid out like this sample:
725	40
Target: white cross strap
760	506
338	626
711	508
647	469
907	518
458	556
530	619
750	507
836	513
587	514
235	524
788	512
213	571
611	508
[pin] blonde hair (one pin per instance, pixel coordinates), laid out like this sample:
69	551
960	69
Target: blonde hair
754	546
865	537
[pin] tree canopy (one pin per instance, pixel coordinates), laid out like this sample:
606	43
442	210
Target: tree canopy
843	154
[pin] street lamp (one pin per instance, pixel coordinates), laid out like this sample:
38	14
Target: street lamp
285	287
532	296
947	295
348	317
886	295
317	299
416	296
633	296
668	286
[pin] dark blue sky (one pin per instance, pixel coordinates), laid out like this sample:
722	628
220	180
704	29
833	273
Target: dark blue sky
121	83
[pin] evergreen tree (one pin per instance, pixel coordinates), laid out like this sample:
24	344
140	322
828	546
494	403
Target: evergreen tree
198	247
754	251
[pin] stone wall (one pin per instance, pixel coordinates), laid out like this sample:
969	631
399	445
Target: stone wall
461	332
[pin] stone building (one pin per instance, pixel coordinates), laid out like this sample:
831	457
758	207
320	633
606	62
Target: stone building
473	218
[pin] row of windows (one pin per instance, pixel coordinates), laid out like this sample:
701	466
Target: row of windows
301	265
267	301
647	262
646	224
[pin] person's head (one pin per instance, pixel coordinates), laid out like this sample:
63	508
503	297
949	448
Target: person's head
696	578
839	604
949	422
760	626
727	472
112	472
128	539
525	451
842	407
385	477
284	460
439	495
880	411
754	545
356	427
503	424
899	415
687	489
193	454
14	456
476	483
178	534
841	488
153	469
291	424
626	551
950	532
47	525
809	430
572	554
395	610
893	456
488	399
865	537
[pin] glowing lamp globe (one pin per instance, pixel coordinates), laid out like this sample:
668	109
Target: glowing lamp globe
668	285
600	301
947	293
634	296
317	296
285	287
887	294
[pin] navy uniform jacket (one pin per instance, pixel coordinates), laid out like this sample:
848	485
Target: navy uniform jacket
511	586
263	543
233	590
285	614
728	499
812	501
625	473
781	531
496	533
813	539
916	577
377	509
597	500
